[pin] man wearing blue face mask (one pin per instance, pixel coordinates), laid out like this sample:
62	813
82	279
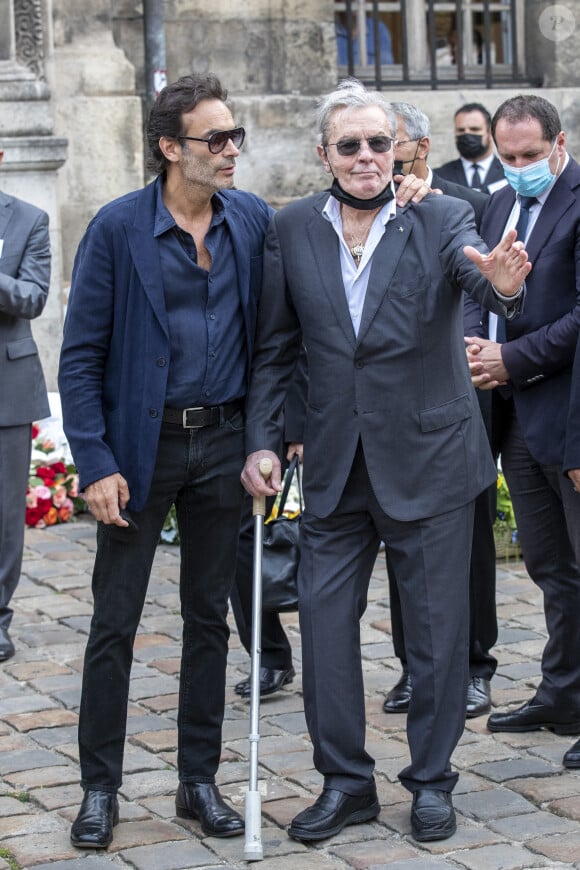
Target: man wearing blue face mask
530	364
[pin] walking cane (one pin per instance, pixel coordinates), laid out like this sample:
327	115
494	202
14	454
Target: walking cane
253	846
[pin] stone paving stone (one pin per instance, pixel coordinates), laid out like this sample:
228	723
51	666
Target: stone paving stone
44	776
363	855
33	669
569	807
11	806
560	847
493	803
28	759
146	832
12	742
162	703
500	771
24	701
156	741
170	856
144	722
138	759
509	856
530	825
147	783
151	686
295	723
56	797
31	849
285	763
32	824
427	863
87	862
55	718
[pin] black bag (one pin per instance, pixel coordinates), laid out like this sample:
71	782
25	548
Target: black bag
280	553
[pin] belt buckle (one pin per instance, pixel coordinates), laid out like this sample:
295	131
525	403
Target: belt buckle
184	417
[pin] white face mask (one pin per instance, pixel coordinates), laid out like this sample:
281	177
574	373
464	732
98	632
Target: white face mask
533	179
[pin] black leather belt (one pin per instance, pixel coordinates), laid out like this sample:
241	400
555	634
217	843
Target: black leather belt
197	418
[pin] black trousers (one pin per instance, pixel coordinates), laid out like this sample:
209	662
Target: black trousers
199	471
431	560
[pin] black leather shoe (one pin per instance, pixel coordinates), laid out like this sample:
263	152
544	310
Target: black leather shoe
397	701
271	681
532	716
432	815
478	697
332	812
572	757
202	801
98	815
6	645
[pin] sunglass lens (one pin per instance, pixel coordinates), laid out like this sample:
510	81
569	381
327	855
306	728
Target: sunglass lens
380	144
218	141
348	147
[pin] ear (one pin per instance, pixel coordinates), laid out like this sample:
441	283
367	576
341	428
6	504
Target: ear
424	148
323	156
171	148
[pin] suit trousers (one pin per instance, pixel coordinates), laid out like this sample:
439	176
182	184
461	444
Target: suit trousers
15	450
199	471
276	652
547	512
431	560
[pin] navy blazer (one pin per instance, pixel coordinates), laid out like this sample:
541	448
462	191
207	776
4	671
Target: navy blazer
402	384
116	349
541	345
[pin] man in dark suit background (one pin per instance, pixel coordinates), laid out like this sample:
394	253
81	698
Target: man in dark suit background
411	155
24	284
394	446
531	362
477	167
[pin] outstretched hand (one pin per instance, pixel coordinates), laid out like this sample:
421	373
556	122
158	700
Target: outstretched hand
506	267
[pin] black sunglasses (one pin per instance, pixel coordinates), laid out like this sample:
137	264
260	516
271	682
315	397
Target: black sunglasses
348	147
218	140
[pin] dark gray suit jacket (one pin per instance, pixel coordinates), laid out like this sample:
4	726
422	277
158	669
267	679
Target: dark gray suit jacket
24	283
402	386
453	171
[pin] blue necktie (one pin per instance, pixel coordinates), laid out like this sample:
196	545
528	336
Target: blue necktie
526	202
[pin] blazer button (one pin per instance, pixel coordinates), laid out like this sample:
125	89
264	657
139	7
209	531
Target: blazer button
359	364
161	362
153	412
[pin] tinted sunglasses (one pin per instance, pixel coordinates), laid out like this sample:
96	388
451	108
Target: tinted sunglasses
218	140
348	147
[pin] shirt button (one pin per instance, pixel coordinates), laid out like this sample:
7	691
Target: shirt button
212	317
359	364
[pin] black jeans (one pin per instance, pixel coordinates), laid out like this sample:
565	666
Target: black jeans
199	471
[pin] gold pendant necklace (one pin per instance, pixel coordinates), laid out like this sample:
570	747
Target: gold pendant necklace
359	239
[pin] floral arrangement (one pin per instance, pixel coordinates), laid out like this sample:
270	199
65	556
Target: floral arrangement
505	530
53	486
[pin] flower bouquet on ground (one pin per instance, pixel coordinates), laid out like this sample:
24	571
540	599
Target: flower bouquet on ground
507	544
53	485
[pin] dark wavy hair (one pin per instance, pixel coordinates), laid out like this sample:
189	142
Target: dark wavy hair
526	106
174	101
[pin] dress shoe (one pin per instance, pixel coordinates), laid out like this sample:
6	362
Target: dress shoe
572	757
397	701
202	801
478	697
332	812
6	645
271	680
533	716
98	815
432	815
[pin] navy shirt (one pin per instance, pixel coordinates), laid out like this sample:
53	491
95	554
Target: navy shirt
207	332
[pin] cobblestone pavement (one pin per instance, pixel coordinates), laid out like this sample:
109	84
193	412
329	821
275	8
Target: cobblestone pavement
517	807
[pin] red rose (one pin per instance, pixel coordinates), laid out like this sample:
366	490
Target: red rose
46	473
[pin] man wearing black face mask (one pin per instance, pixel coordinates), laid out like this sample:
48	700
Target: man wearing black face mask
477	167
411	153
394	445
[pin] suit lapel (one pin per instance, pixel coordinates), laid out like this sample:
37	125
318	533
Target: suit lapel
326	254
560	199
5	213
384	263
144	249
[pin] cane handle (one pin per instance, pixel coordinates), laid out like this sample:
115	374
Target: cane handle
259	504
